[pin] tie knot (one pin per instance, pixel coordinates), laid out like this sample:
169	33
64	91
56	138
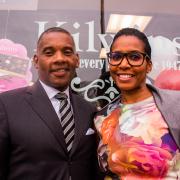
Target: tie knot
61	96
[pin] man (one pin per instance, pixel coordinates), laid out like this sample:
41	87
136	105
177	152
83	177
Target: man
33	145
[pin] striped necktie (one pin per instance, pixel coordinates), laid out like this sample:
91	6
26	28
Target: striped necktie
67	119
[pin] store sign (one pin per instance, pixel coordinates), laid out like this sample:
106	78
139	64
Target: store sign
85	31
90	34
86	63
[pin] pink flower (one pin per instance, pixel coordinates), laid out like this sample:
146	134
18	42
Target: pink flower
138	158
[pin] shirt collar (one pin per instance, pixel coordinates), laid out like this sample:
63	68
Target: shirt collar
51	92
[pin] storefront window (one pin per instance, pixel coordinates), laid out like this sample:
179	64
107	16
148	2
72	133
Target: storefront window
22	21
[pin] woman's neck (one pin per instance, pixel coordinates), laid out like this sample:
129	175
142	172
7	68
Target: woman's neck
136	95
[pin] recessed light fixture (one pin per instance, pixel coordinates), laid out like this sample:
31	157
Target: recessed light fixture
118	21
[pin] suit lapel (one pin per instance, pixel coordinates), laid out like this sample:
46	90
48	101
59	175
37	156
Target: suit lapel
172	119
40	103
174	125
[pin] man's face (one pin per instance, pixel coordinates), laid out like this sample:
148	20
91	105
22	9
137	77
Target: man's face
56	59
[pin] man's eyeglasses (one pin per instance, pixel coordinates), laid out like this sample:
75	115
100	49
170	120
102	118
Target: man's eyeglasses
134	58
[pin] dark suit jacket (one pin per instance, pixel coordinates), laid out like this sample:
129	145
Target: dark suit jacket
32	145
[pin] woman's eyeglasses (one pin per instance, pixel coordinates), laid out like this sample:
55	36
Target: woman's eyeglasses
134	58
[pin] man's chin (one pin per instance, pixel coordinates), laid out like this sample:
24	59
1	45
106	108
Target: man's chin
61	85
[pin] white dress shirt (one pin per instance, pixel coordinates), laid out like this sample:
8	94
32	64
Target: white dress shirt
51	92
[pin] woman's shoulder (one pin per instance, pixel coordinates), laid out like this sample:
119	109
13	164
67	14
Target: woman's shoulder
164	92
169	93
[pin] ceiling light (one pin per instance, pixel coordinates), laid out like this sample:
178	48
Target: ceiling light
117	22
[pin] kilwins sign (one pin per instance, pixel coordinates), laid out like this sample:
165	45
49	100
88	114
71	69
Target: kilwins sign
165	54
160	44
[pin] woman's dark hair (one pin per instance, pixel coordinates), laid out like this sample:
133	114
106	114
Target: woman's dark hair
134	32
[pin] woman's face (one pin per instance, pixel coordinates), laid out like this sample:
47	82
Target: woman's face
126	76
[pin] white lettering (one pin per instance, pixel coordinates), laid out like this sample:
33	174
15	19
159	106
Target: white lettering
76	41
76	36
101	62
59	23
41	26
103	41
76	25
91	37
91	63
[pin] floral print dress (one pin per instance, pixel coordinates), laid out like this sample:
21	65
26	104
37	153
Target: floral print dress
136	143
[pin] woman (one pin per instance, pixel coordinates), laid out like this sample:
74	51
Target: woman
140	130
